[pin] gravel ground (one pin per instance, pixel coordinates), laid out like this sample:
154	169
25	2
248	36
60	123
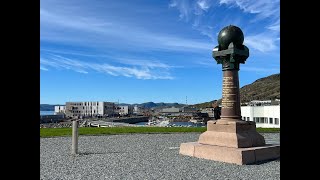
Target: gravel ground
142	156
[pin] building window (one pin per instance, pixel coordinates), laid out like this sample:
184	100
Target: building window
248	118
270	120
243	118
266	120
276	120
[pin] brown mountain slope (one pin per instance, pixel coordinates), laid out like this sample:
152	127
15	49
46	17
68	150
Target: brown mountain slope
267	88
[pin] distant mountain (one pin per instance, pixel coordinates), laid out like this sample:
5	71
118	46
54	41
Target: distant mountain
203	105
267	88
158	105
50	107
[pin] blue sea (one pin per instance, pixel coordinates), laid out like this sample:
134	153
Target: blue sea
46	112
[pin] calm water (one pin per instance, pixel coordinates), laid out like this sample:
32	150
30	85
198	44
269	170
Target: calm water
46	112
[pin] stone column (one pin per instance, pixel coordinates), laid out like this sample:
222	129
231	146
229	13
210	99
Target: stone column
230	139
230	96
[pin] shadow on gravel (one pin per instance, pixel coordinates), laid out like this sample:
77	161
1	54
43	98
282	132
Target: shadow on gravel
90	153
263	162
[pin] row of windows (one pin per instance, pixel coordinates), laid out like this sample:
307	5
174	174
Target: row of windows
94	111
89	104
85	103
263	120
90	107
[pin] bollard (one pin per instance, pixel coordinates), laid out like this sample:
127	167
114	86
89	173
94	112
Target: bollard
74	150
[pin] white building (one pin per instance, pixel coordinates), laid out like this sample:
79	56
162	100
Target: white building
188	109
124	110
209	111
136	109
264	103
59	110
264	116
171	110
97	108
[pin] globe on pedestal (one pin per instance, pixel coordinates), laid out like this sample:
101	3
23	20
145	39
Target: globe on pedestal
230	34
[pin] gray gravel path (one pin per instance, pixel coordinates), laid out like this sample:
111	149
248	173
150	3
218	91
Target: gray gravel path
141	156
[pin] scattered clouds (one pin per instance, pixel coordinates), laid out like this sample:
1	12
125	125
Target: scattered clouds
259	70
263	42
184	8
208	63
144	62
275	26
262	38
58	25
141	70
43	68
203	4
71	21
263	8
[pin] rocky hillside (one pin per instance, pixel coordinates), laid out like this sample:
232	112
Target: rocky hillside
267	88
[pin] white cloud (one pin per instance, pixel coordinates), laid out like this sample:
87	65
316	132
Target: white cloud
147	70
264	8
209	63
184	8
275	26
143	62
71	21
65	28
203	4
43	68
263	42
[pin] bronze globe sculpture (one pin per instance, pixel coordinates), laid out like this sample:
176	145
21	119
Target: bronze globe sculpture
230	34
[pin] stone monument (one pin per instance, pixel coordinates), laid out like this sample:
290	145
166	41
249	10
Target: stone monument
231	139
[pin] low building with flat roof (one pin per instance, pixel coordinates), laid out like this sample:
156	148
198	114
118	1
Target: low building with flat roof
265	116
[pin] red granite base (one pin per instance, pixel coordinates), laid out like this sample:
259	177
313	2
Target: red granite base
240	156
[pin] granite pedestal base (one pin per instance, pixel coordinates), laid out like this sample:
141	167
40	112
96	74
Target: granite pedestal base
234	142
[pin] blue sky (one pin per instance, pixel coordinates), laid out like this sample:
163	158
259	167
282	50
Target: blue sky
137	51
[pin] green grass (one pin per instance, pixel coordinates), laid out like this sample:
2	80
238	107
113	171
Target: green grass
53	132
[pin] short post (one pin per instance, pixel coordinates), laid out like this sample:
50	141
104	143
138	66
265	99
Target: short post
74	149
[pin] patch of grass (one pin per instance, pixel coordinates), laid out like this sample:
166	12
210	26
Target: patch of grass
53	132
268	130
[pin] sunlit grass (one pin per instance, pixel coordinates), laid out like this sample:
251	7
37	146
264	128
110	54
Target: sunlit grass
53	132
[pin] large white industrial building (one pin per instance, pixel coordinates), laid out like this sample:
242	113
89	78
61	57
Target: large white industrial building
267	116
99	108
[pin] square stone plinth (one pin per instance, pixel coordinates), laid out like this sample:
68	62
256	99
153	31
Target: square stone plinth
236	134
240	156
